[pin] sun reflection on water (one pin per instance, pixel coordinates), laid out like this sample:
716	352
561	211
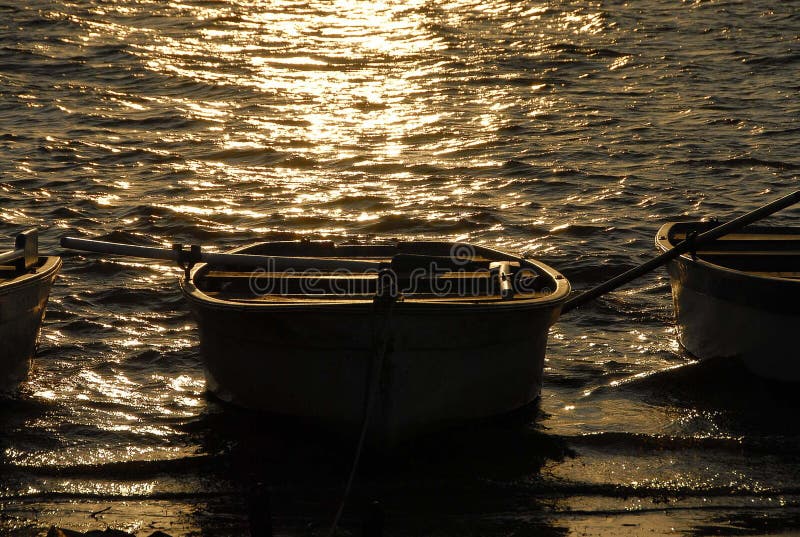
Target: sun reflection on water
326	94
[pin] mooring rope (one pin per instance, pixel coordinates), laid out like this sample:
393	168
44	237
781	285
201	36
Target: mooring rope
376	369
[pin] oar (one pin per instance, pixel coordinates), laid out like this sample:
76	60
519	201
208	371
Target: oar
681	248
196	255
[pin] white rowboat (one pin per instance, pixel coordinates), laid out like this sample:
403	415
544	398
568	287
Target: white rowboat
25	281
739	296
444	333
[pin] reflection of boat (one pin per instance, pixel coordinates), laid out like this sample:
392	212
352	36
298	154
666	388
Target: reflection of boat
739	296
25	280
432	333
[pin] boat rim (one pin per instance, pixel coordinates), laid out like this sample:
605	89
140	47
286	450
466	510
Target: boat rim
557	297
663	242
49	267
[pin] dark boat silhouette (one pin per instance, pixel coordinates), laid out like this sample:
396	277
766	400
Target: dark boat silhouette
25	281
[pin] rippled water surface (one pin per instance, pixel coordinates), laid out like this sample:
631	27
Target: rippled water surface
564	130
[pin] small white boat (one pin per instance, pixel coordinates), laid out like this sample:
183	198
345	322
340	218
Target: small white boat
739	296
426	334
25	281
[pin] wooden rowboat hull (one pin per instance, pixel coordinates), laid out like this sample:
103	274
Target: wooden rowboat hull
441	368
444	364
22	305
735	300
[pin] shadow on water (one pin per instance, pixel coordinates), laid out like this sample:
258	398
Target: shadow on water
458	482
748	523
17	409
715	444
714	406
751	404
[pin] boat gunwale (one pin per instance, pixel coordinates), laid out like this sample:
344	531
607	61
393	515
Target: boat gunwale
48	269
468	304
664	243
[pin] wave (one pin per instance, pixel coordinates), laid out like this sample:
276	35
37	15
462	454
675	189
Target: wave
738	162
640	442
777	61
133	470
395	223
262	157
581	50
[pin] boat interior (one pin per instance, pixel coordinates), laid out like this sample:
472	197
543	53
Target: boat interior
11	272
411	270
759	250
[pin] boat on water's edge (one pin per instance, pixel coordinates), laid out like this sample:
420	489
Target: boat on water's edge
447	357
24	290
739	296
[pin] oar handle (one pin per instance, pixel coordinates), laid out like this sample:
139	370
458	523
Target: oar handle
115	248
196	255
681	248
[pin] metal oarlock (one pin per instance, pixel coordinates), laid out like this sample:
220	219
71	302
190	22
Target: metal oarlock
186	259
